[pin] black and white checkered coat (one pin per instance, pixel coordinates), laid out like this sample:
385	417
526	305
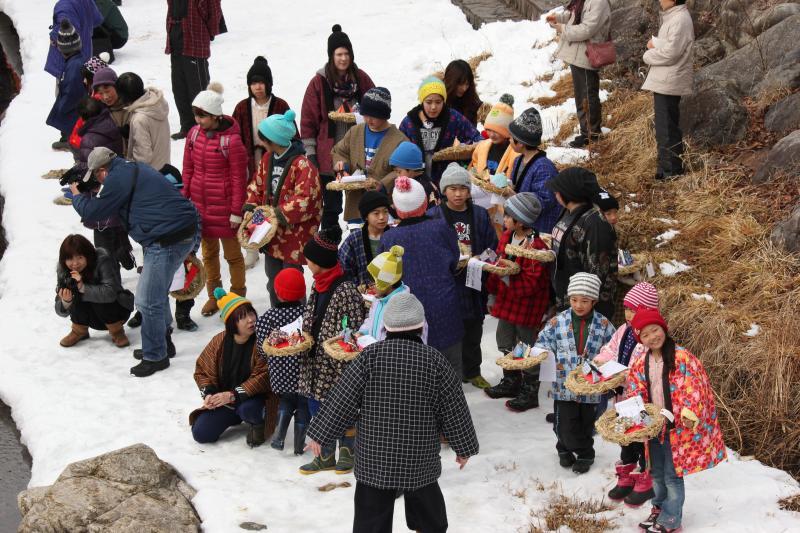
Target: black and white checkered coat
405	395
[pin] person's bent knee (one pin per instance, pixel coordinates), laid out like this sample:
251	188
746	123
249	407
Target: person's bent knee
203	435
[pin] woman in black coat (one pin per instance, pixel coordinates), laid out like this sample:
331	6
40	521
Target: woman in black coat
90	292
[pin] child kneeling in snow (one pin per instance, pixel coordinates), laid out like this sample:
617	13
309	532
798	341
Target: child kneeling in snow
670	377
520	302
362	245
398	383
574	336
290	288
232	378
635	487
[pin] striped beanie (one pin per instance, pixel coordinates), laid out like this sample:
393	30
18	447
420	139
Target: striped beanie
409	198
500	116
432	85
387	268
227	302
641	295
524	207
68	40
584	284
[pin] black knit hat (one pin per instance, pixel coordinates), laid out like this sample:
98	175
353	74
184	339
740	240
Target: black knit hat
322	249
260	71
372	200
339	39
527	128
68	40
605	201
575	184
377	103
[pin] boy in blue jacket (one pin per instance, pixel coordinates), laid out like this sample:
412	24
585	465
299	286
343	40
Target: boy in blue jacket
64	113
474	230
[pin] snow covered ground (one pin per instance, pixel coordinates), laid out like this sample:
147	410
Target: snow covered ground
75	403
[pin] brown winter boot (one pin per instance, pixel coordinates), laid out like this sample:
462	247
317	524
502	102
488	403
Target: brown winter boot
210	306
75	336
117	332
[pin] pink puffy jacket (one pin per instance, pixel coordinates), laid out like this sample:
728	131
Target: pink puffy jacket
215	177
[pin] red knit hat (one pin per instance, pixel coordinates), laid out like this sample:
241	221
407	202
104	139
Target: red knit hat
646	317
641	295
290	285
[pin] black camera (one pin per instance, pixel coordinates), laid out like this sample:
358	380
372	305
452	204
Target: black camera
66	281
76	175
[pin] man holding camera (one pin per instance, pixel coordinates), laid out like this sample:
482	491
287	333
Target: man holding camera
166	225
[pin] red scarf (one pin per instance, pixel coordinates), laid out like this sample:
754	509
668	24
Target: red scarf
324	280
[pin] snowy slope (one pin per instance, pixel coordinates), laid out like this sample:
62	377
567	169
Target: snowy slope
75	403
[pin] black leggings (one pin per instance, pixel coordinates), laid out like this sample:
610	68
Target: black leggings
96	316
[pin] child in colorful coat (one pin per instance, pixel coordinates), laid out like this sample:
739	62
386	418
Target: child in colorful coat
362	244
574	336
634	486
333	298
520	303
214	179
290	287
288	182
386	271
433	126
472	229
670	377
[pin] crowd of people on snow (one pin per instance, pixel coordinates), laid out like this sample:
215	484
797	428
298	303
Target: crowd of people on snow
393	406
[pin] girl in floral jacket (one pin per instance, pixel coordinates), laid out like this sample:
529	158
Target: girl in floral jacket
675	380
288	182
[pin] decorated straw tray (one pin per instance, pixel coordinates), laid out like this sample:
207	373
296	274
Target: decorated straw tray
286	349
624	432
195	280
347	118
262	213
337	349
577	383
504	267
461	152
543	256
509	362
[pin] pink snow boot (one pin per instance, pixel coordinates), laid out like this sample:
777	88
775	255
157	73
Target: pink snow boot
642	489
625	482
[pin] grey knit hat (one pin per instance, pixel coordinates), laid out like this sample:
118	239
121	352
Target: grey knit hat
524	207
404	313
68	40
584	284
453	176
527	128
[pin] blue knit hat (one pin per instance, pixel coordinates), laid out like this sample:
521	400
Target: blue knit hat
407	155
279	129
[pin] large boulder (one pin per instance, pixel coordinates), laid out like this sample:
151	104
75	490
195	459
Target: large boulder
786	234
783	159
125	491
773	15
784	115
714	115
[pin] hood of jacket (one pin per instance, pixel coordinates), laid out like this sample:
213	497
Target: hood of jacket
152	104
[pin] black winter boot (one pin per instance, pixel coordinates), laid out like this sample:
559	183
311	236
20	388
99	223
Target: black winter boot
508	387
182	318
255	435
566	459
582	466
284	417
528	397
136	320
299	438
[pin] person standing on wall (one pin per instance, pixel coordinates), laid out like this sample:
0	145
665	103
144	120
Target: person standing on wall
191	26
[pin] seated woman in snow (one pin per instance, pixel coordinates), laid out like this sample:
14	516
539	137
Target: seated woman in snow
232	378
90	292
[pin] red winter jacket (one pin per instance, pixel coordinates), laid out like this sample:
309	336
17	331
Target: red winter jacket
243	114
314	122
215	177
525	299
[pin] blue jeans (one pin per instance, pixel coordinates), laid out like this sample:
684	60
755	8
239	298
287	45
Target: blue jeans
211	424
667	486
152	293
295	405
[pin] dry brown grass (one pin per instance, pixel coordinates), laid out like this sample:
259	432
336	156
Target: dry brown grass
563	90
579	516
792	503
724	222
473	62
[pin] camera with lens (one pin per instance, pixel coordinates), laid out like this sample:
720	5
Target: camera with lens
66	281
76	175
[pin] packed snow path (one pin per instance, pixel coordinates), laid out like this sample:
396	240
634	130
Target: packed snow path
75	403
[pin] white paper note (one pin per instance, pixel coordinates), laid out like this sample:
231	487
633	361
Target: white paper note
474	274
547	369
631	407
365	340
179	279
611	368
295	326
259	232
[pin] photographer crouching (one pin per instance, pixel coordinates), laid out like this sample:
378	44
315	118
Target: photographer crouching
90	292
166	225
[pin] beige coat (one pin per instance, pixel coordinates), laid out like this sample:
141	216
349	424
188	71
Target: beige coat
149	140
595	26
671	59
350	150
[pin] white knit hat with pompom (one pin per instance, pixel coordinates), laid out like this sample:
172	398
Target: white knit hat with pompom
210	100
409	197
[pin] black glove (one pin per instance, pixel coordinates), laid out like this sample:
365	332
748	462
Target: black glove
125	131
248	208
313	159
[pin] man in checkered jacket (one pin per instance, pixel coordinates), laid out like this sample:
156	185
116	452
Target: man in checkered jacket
403	395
